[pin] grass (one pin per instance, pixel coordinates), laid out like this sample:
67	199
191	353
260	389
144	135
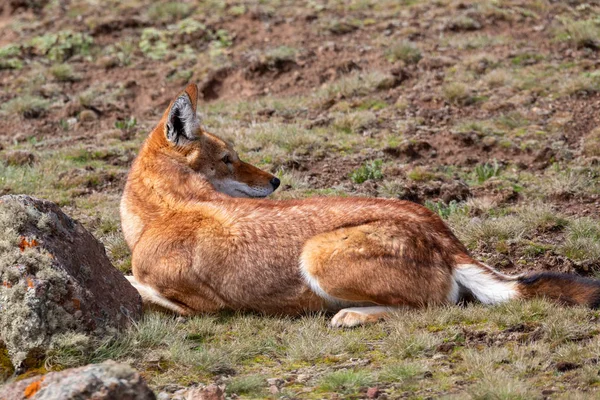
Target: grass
252	385
581	34
583	240
63	73
458	93
346	382
27	106
169	12
591	143
403	51
355	84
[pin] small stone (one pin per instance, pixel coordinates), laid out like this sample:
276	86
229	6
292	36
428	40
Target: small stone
210	392
302	378
109	380
565	366
87	116
489	141
273	389
108	62
373	392
163	396
266	112
388	82
438	62
275	381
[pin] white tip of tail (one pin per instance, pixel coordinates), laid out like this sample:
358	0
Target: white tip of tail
485	284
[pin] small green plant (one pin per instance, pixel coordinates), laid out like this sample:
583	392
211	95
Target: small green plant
582	84
63	73
445	210
124	51
368	171
342	27
458	93
533	249
526	59
61	46
420	174
400	373
169	12
281	53
346	381
189	26
237	11
223	38
64	125
154	44
403	51
9	57
27	106
463	23
512	120
483	172
246	385
11	50
127	124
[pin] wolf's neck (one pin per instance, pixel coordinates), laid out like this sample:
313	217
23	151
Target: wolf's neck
158	187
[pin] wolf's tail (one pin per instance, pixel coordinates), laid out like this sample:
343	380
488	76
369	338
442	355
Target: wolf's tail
483	283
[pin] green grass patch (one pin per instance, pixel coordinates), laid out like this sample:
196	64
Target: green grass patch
346	382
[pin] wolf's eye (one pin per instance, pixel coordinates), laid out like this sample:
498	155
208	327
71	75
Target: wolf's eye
226	159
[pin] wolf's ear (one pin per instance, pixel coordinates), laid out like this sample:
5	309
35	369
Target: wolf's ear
182	122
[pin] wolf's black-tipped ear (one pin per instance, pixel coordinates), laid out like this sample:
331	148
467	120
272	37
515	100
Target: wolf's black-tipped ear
182	123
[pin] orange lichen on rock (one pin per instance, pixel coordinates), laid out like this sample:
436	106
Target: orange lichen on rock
7	284
27	243
30	283
33	388
76	304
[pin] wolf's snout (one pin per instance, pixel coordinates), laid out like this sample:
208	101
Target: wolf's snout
275	182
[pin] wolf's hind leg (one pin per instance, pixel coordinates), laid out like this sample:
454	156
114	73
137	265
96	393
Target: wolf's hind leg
385	265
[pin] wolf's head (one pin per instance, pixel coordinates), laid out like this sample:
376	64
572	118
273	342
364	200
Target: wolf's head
207	154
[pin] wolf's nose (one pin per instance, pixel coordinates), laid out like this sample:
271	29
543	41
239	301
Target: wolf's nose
275	182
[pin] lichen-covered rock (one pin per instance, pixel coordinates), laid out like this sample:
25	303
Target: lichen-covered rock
55	277
106	381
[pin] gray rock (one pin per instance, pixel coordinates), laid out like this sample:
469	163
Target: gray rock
55	277
210	392
106	381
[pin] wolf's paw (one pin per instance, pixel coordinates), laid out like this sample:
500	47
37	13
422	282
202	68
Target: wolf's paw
356	316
